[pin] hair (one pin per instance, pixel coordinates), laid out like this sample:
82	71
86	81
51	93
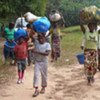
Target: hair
11	25
41	34
28	25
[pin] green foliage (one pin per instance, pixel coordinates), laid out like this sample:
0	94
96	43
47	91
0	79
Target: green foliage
38	7
69	8
18	7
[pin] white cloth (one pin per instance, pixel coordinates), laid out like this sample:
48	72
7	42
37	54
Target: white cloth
42	48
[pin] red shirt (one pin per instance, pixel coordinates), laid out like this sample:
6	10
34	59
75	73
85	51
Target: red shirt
21	51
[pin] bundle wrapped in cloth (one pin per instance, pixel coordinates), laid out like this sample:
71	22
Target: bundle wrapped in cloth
20	33
54	16
30	17
41	25
91	13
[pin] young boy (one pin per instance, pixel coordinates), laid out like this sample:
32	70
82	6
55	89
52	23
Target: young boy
21	55
41	51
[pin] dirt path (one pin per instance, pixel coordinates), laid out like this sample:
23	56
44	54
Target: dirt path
66	83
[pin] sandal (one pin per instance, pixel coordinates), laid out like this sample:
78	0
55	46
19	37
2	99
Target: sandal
42	91
36	93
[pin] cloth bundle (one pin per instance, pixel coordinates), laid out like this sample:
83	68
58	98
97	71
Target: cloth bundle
30	17
55	16
20	33
91	13
41	25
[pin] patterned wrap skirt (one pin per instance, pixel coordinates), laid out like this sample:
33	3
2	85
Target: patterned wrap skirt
90	63
55	40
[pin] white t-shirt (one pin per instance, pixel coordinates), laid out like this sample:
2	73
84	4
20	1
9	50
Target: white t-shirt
42	48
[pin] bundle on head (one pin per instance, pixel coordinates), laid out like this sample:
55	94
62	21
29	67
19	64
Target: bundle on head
41	25
30	17
91	13
54	16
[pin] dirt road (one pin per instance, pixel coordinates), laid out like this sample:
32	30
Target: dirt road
66	83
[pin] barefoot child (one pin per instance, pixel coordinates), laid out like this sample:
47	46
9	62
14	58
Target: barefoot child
41	51
21	55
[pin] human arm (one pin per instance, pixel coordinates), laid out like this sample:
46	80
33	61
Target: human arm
82	28
83	42
43	51
46	53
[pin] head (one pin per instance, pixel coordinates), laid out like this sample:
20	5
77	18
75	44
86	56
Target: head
92	26
11	25
41	38
28	26
21	40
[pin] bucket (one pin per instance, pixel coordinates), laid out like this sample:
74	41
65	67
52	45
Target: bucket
80	58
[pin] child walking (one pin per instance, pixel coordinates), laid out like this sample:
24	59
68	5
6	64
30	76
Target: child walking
21	55
41	51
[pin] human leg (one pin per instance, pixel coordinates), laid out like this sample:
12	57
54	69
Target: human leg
36	78
90	64
19	72
43	76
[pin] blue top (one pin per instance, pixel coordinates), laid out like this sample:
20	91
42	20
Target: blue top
10	44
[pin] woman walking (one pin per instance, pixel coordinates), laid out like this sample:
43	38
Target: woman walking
89	44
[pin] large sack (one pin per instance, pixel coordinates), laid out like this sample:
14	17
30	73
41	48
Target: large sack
20	22
88	13
20	33
41	25
55	16
30	17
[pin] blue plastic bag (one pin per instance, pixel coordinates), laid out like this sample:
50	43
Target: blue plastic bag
42	25
20	33
80	58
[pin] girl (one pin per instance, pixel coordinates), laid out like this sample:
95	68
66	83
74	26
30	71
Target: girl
41	51
21	55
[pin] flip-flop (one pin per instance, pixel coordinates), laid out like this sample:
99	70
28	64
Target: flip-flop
42	91
36	93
